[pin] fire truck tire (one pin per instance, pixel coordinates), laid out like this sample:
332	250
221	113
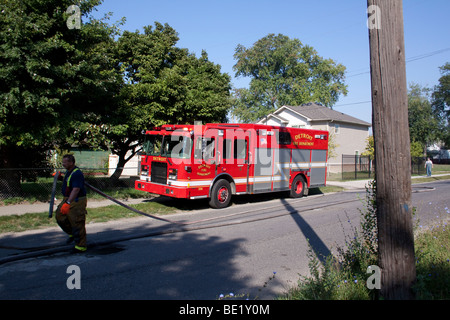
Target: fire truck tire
298	187
220	194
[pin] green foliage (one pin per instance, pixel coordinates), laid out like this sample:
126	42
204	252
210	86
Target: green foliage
370	148
52	78
94	86
283	71
332	145
343	277
162	84
416	149
166	84
330	282
361	249
441	104
423	125
47	70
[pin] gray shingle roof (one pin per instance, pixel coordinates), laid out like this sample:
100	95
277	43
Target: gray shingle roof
317	112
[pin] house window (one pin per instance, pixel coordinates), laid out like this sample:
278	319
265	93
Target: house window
336	129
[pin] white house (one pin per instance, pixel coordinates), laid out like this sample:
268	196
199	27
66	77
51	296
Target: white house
350	134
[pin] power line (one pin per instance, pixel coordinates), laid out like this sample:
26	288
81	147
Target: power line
418	57
349	104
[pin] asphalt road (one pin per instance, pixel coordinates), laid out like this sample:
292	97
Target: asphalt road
235	252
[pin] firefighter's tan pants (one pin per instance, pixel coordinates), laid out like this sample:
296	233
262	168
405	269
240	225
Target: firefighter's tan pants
74	222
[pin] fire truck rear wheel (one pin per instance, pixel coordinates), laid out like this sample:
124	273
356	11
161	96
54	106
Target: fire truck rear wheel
220	194
298	187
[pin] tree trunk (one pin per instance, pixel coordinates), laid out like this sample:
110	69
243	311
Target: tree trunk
119	169
121	150
392	149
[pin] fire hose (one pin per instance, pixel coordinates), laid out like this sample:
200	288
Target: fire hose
52	201
185	224
128	207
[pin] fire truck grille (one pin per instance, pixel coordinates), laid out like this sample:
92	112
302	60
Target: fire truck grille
159	172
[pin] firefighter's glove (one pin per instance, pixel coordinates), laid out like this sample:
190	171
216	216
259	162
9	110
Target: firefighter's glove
65	208
60	175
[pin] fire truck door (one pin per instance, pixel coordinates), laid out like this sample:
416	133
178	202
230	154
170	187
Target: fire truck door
205	155
218	159
235	157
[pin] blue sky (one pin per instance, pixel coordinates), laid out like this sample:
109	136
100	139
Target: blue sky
336	29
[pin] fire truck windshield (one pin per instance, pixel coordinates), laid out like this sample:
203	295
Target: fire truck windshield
152	145
173	146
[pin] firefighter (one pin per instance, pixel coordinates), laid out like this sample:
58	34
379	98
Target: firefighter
71	212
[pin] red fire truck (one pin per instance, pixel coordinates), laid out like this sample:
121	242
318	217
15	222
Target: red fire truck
217	161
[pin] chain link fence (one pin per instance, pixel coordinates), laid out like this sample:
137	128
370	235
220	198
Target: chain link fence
359	167
36	184
418	165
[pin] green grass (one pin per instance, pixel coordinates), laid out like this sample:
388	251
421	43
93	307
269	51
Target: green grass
30	221
363	175
433	263
40	190
327	189
441	168
430	179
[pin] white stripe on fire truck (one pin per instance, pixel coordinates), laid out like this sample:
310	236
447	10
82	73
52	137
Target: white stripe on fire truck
307	165
198	183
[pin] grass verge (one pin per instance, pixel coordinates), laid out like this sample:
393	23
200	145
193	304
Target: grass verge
30	221
433	263
430	179
35	194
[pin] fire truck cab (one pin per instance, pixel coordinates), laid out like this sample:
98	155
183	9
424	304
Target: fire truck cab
217	161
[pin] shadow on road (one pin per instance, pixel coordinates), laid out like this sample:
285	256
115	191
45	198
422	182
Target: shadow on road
172	266
318	246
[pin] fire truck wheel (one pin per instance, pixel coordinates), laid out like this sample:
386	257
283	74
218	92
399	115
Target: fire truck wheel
298	187
220	194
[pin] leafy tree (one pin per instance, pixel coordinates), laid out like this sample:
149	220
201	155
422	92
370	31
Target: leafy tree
423	125
283	71
332	145
51	77
162	84
370	148
416	149
441	104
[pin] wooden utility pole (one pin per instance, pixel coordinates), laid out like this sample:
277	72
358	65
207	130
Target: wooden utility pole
392	148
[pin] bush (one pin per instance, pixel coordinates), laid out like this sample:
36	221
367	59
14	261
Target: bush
344	277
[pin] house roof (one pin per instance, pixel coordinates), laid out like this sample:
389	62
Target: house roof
277	117
317	112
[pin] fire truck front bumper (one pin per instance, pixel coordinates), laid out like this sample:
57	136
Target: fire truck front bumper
162	189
